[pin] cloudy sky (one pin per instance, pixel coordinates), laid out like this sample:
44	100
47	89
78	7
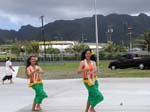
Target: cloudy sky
15	13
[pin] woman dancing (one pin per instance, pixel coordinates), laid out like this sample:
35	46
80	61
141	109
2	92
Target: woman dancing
88	68
34	71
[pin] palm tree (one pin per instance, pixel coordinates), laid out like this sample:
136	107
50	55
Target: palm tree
79	47
146	37
140	43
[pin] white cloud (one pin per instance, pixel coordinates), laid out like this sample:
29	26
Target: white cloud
20	19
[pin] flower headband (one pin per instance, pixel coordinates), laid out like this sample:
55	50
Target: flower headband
92	52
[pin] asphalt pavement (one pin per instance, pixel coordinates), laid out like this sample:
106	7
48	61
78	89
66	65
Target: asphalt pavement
70	95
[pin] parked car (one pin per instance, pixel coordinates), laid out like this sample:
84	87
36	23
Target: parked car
130	60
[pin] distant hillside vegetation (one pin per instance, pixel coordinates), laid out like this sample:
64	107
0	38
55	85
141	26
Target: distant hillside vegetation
84	27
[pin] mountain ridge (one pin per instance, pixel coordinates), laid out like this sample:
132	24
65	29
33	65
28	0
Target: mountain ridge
83	27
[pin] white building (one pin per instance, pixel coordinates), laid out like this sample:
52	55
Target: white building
62	45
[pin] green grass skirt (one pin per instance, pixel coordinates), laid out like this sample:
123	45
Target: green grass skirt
94	95
40	94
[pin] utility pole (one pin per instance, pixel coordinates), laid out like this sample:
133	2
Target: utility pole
96	36
43	36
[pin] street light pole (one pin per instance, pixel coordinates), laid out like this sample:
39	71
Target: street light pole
96	36
43	36
62	49
130	34
83	39
130	41
110	31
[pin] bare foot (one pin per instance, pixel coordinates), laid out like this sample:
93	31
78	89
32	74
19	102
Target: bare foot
92	109
87	107
33	110
38	107
86	110
33	106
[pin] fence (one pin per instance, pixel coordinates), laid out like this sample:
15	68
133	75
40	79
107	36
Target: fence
21	60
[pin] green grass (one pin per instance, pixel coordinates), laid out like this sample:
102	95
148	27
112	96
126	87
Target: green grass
69	70
67	66
55	70
129	72
8	55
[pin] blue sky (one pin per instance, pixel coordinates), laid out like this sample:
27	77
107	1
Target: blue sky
15	13
5	23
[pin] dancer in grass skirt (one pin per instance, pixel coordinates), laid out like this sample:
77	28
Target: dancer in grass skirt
88	68
34	71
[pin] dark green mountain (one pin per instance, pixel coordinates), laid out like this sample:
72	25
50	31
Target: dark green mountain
84	27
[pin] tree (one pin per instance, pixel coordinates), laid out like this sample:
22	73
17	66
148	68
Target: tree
146	37
26	47
140	43
32	47
16	47
79	47
69	50
53	51
114	48
109	47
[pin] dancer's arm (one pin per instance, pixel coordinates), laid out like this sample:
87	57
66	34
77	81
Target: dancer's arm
80	69
30	73
11	68
40	70
94	72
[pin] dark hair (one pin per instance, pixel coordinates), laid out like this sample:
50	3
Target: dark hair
93	58
8	58
28	61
